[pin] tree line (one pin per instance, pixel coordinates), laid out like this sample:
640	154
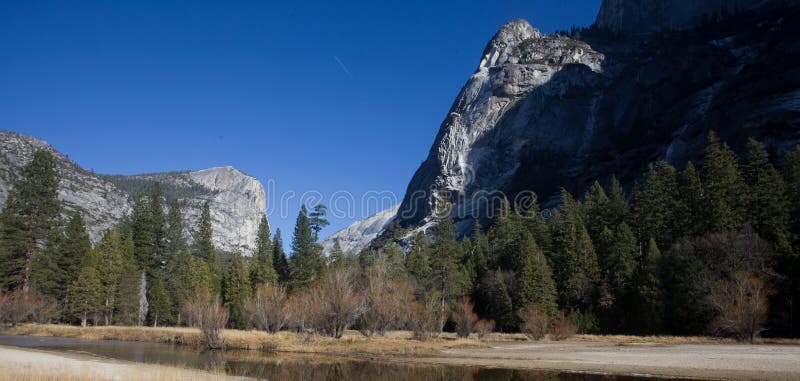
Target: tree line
709	249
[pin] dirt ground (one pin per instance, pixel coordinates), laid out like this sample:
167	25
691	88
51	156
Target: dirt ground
709	361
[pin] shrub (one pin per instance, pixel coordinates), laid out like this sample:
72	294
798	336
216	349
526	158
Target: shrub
484	327
210	316
563	328
464	317
333	304
427	316
534	321
385	302
16	306
268	308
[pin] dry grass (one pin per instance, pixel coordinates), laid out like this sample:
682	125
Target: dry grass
393	343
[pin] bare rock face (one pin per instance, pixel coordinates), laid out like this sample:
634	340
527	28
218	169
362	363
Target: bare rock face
102	204
497	112
237	201
358	235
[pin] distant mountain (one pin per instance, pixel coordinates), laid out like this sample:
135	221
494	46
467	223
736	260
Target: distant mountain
359	234
237	200
646	83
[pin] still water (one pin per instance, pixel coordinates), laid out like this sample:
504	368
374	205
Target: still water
290	366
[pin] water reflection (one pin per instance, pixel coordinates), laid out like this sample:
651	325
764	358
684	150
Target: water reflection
291	366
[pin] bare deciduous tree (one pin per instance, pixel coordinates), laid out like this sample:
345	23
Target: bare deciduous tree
16	306
535	321
741	304
427	316
268	308
386	302
464	317
563	328
208	314
484	327
337	303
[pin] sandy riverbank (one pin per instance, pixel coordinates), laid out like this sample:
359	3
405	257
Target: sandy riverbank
33	365
708	361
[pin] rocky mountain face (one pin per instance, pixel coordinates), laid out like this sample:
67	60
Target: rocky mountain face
642	17
358	235
237	200
543	112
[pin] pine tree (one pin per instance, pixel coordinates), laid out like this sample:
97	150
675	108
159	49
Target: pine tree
142	229
446	273
236	289
86	294
791	174
768	205
336	258
533	278
126	309
307	262
205	250
261	268
724	202
493	302
655	203
621	262
47	278
395	261
574	259
109	270
31	212
690	192
596	205
279	258
617	209
418	260
159	302
158	258
317	220
176	242
649	304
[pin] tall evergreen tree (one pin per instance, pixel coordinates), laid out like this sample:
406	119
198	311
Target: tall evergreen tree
768	205
317	220
279	259
86	293
724	201
307	262
336	258
493	302
533	278
160	304
126	309
142	229
690	202
236	289
205	250
446	273
418	262
158	257
261	268
109	259
31	212
649	301
176	242
656	202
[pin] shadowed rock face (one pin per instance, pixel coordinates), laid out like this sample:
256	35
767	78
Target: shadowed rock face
237	200
542	112
632	17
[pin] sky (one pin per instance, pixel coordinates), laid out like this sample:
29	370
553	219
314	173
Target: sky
320	100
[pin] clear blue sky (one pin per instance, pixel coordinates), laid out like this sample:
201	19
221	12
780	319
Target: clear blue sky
312	95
